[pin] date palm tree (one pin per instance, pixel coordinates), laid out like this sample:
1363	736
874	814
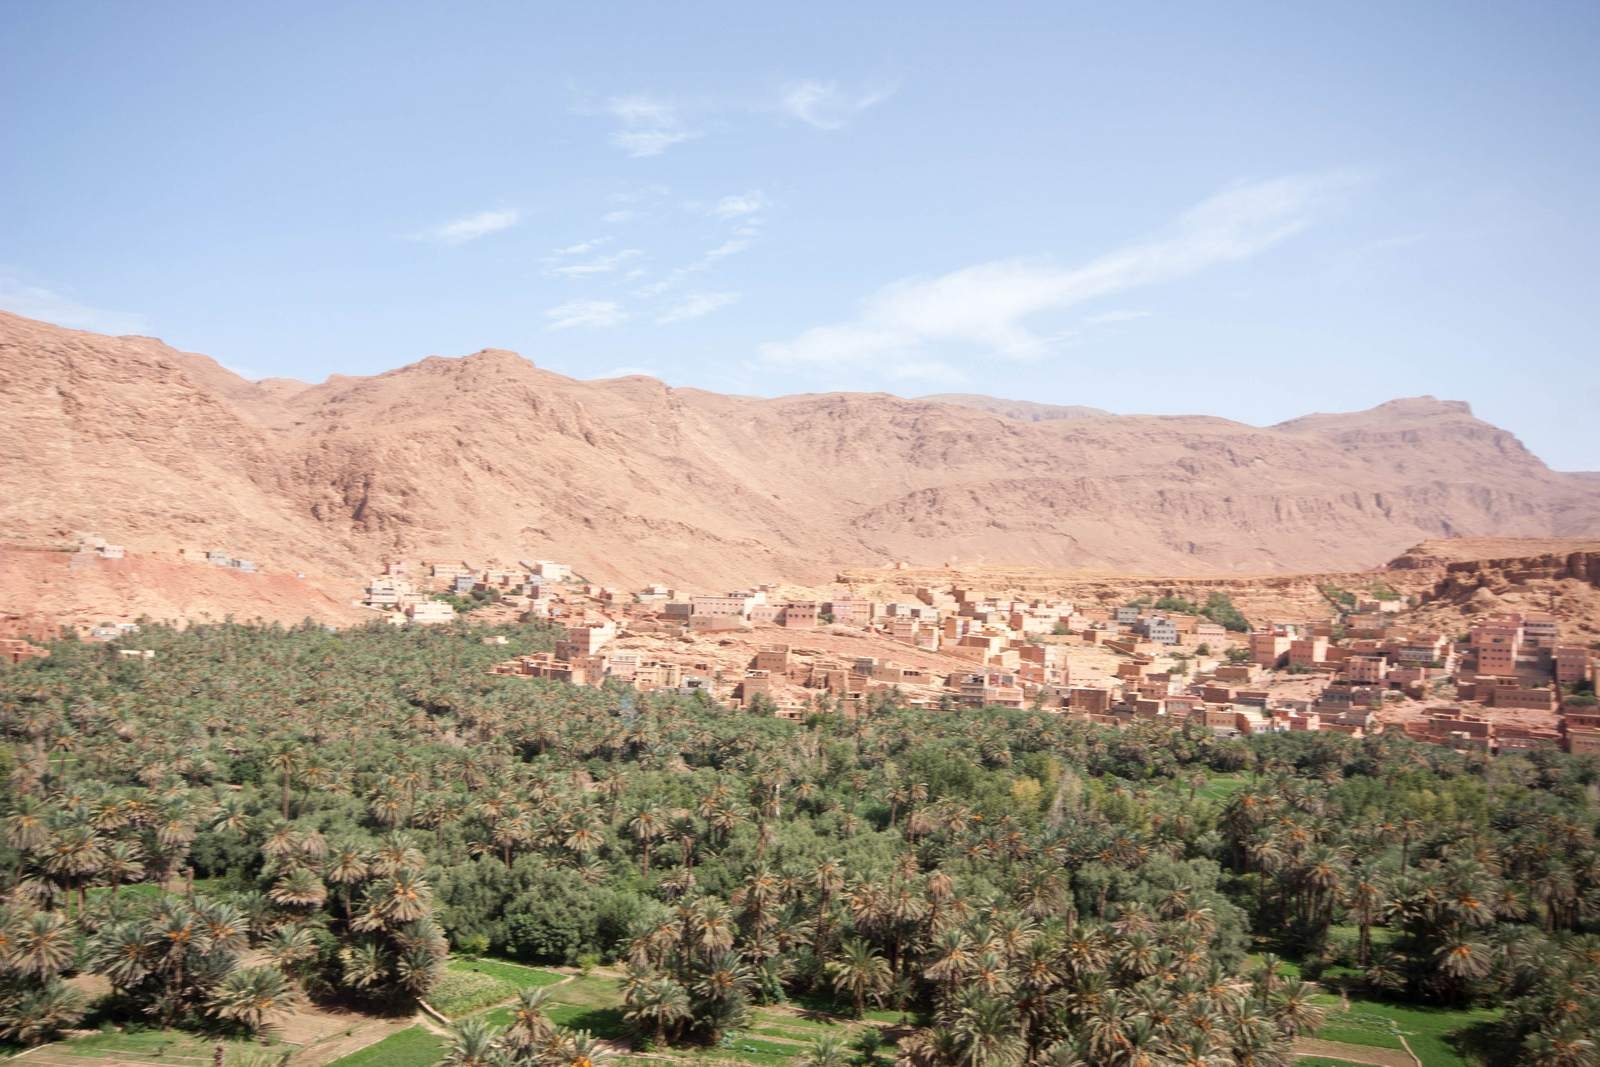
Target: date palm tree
658	1004
985	1028
829	1050
124	862
38	1013
25	828
859	972
530	1028
285	761
1365	896
346	868
1295	1011
648	825
73	856
42	946
299	888
123	953
254	998
475	1043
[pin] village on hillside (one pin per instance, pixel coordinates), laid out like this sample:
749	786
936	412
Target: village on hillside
1371	663
1507	682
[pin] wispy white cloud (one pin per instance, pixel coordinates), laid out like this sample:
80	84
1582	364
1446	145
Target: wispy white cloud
1108	318
826	106
597	265
647	125
743	238
472	227
633	203
732	246
740	205
48	305
986	307
696	305
584	313
580	248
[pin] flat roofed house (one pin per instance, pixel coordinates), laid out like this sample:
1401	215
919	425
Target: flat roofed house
799	615
1572	664
430	613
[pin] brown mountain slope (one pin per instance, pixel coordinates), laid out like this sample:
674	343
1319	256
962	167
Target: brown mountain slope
491	457
1465	579
1026	410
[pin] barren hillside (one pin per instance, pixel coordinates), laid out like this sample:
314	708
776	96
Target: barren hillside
1469	578
490	457
65	588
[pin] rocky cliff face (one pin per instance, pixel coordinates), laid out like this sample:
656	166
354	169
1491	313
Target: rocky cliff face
1470	578
491	457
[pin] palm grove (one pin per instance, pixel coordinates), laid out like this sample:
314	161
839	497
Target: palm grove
323	815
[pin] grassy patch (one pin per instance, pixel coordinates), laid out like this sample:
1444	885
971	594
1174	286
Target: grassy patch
1370	1032
517	974
782	1033
1287	968
150	890
469	985
1323	1061
1436	1035
777	1034
462	993
415	1047
1222	786
754	1050
601	1022
820	1001
157	1046
593	1004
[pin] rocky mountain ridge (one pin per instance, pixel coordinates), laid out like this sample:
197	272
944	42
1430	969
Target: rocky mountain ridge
491	457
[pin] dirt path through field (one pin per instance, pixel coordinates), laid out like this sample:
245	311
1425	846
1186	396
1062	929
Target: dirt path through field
1340	1050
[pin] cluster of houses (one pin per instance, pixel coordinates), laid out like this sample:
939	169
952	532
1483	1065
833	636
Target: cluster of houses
973	650
110	631
216	557
407	592
93	546
1350	676
1509	683
17	644
18	637
14	650
1513	680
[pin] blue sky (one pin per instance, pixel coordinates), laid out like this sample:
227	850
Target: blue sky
1255	211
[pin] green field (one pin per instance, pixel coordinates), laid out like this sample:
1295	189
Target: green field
1222	786
415	1047
1434	1034
147	890
776	1034
157	1046
1287	968
593	1003
470	984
